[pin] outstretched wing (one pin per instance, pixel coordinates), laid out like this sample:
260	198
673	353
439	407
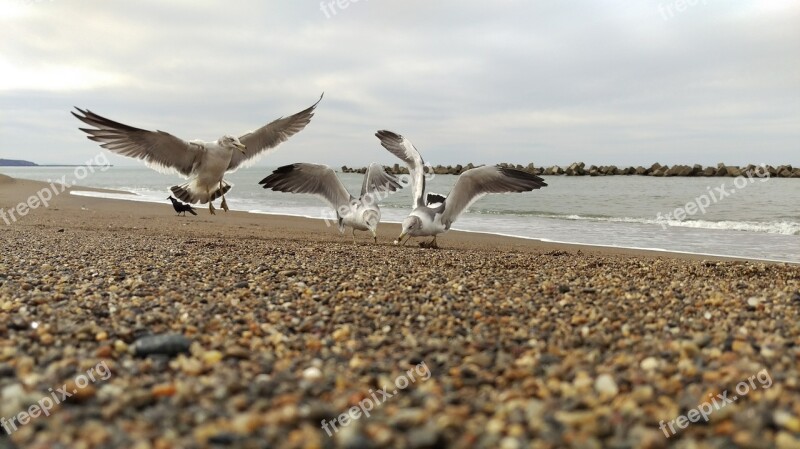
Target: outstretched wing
314	179
270	136
376	180
405	150
477	182
158	149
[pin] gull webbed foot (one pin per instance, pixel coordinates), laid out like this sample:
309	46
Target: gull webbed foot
431	244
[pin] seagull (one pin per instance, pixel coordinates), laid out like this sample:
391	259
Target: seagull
362	213
203	163
434	214
180	207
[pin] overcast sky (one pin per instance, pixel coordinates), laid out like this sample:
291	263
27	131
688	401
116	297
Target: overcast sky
548	82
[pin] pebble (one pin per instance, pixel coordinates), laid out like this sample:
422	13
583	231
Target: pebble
606	386
649	364
312	374
787	421
167	344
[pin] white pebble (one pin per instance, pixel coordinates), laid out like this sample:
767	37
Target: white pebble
649	364
605	385
312	374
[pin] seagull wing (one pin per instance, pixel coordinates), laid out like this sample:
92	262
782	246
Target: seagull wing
270	136
377	180
477	182
159	150
405	150
314	179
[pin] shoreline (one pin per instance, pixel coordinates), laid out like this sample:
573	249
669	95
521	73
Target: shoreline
73	199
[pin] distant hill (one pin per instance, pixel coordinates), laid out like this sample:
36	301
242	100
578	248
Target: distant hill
16	163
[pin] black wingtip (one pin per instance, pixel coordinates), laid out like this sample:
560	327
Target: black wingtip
278	173
534	181
386	134
434	198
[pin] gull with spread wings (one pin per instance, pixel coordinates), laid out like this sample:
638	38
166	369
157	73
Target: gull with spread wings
362	213
203	163
434	214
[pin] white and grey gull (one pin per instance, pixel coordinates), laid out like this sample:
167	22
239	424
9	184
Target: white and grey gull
362	213
203	163
433	214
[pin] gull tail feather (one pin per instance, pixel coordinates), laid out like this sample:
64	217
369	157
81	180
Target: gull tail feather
189	193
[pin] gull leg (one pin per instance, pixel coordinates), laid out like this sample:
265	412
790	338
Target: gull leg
433	243
210	204
224	204
375	238
354	236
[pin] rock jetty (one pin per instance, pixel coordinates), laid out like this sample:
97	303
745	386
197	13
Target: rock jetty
580	169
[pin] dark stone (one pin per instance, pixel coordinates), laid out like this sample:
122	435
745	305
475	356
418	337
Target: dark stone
7	370
242	284
164	344
18	324
222	439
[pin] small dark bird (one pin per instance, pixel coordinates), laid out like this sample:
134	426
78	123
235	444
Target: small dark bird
180	207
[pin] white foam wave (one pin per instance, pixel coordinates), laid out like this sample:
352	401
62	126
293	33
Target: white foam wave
775	227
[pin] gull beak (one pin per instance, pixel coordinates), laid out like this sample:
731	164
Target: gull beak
400	239
374	235
240	147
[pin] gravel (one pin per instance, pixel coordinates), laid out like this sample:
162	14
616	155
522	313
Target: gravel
267	337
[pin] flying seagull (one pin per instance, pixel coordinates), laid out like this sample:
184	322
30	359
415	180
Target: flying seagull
180	207
434	214
362	213
203	163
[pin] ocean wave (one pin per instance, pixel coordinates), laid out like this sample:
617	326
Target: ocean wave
772	227
781	227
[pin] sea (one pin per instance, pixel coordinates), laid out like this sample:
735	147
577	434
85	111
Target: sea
751	217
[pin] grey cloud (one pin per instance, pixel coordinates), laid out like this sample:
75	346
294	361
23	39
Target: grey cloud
547	82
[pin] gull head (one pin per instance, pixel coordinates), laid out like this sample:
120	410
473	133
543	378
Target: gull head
411	225
232	143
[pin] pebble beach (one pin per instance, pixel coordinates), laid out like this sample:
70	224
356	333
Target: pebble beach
252	331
